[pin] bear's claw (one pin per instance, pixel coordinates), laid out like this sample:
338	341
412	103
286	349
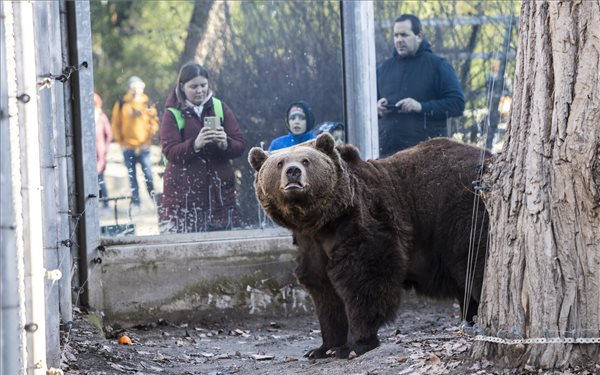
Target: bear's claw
317	353
342	352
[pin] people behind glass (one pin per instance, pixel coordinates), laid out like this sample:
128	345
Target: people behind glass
199	182
417	90
135	121
103	139
336	129
299	121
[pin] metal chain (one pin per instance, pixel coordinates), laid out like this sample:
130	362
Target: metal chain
540	340
49	79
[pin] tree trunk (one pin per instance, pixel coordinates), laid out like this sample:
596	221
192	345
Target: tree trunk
196	30
543	268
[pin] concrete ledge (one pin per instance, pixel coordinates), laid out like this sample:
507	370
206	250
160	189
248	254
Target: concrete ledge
246	272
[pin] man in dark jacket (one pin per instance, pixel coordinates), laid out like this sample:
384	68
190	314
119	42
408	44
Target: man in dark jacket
417	91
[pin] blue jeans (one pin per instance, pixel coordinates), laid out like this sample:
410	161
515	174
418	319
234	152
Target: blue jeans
103	190
133	157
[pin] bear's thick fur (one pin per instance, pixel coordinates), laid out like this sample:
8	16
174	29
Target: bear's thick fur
366	230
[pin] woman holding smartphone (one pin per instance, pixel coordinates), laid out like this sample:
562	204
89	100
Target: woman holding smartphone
199	136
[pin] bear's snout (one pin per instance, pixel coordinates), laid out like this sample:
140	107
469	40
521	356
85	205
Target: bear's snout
293	172
294	177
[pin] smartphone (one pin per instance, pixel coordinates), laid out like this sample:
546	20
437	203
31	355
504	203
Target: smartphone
212	122
391	106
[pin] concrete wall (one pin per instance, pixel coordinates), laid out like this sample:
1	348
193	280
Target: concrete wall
238	273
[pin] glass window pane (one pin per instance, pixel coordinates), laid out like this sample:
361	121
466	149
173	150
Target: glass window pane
260	57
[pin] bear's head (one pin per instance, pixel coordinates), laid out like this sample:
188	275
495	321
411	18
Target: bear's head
302	187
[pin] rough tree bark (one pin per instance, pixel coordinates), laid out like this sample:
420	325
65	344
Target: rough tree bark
196	30
543	270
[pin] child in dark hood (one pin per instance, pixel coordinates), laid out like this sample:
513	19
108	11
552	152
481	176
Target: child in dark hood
299	120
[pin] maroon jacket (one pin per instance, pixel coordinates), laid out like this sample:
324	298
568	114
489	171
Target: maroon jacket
199	187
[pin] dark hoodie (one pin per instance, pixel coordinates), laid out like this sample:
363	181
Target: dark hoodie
430	80
292	139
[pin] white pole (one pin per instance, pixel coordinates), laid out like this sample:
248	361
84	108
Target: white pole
32	224
17	201
12	357
360	76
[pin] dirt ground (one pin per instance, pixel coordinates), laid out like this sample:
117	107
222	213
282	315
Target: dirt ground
424	339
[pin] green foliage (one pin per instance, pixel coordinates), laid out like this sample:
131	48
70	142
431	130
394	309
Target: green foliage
286	51
142	38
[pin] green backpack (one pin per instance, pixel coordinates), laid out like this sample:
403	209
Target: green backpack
217	105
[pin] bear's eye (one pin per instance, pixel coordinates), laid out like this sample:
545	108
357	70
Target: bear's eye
280	165
305	162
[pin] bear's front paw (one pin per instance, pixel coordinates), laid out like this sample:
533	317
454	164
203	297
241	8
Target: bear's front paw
350	351
317	353
342	352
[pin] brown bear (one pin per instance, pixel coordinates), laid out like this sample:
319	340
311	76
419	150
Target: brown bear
366	230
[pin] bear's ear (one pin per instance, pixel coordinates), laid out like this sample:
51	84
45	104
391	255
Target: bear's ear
349	153
257	157
325	143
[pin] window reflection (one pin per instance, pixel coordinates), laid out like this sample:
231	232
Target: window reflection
479	39
261	57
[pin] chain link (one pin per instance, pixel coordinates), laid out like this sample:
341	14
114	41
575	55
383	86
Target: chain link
540	340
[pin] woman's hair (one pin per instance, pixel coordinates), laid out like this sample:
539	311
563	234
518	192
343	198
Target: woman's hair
188	72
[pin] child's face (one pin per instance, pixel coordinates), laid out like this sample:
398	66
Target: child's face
196	90
297	123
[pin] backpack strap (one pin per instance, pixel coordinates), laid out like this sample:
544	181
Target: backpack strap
178	117
180	125
218	106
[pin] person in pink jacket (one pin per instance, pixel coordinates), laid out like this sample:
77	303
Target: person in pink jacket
103	139
199	182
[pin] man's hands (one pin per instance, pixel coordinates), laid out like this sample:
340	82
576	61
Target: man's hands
207	135
404	105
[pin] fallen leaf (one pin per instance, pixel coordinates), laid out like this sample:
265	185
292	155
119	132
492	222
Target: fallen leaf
262	357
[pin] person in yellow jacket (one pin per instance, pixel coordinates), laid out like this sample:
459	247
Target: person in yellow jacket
134	122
